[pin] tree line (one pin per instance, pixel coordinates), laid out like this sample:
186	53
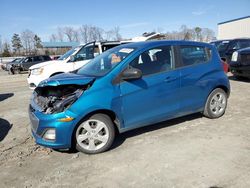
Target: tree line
28	43
85	33
186	33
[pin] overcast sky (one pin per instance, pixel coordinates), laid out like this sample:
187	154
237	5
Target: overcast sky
132	16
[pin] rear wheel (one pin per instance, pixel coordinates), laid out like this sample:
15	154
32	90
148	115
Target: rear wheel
95	135
216	104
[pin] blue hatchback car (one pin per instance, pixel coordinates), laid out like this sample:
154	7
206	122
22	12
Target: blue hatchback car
127	87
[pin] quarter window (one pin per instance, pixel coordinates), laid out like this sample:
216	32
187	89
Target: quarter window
191	55
155	60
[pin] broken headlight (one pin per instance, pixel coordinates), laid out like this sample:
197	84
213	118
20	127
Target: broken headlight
56	99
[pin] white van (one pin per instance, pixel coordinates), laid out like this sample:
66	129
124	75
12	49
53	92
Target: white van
70	61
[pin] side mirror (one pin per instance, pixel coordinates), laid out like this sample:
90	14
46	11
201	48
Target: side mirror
72	58
131	74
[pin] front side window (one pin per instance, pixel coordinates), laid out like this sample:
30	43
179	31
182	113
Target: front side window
27	60
68	53
191	55
155	60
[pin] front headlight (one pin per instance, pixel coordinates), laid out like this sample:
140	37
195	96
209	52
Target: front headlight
235	56
36	71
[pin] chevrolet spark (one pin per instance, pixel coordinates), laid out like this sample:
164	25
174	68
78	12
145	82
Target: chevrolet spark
127	87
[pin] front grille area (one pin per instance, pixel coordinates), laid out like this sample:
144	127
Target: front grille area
245	59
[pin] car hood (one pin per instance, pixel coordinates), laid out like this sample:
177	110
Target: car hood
66	79
13	63
46	63
244	50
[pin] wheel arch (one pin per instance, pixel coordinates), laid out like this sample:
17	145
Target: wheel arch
110	113
224	88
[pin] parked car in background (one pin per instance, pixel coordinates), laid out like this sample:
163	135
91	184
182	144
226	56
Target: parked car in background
240	63
227	47
127	87
27	62
70	61
5	66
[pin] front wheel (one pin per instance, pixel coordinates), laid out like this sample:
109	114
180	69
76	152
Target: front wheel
216	104
95	135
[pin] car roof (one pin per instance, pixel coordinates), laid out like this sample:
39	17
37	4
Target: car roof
146	44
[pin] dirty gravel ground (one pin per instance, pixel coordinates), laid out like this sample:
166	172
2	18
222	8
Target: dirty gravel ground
188	152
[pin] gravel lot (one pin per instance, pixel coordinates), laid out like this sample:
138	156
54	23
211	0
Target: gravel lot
187	152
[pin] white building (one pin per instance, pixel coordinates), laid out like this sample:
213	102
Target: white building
237	28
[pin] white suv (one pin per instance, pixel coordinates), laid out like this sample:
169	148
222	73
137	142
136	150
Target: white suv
70	61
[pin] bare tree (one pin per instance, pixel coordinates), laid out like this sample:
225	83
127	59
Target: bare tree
186	33
53	38
60	34
85	33
207	34
117	35
6	49
83	30
76	36
27	38
69	32
95	33
90	33
113	34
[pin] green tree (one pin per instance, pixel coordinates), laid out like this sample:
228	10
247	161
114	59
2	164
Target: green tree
198	33
16	43
37	43
6	50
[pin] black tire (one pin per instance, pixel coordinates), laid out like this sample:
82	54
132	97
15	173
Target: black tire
109	130
208	112
238	77
17	71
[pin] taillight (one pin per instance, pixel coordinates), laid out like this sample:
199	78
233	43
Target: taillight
225	66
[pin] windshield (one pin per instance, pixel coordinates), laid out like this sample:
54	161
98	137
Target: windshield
68	53
105	62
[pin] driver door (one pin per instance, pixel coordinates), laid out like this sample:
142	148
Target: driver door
154	97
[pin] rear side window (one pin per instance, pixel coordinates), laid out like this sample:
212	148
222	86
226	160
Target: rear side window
191	55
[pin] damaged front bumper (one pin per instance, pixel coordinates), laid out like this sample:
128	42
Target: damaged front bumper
42	123
52	121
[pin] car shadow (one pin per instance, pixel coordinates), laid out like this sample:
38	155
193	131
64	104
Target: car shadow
241	79
5	96
5	126
121	138
135	132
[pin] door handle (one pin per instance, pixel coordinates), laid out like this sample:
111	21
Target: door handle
170	79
